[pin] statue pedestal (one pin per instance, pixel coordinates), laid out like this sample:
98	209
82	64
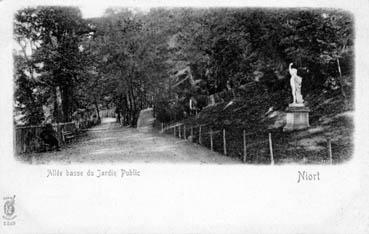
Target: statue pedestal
297	117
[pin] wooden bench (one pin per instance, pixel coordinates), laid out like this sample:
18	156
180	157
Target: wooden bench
68	136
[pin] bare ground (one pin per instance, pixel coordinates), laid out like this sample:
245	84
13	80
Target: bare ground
109	142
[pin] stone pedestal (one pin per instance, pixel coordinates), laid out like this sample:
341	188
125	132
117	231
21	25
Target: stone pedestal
297	117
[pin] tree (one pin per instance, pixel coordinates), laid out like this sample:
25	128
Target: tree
128	59
340	45
53	36
133	60
27	97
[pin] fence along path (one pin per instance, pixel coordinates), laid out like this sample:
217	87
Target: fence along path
205	136
27	137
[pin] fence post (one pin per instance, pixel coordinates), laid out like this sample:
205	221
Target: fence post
271	149
211	139
244	146
200	135
224	142
330	151
174	130
184	131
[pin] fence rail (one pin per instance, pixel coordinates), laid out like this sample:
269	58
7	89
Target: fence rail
264	147
27	138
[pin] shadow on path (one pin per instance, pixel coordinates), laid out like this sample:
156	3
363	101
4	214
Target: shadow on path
109	142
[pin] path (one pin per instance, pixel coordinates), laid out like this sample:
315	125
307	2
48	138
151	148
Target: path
110	142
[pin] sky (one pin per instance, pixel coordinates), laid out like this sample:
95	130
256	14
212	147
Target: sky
92	11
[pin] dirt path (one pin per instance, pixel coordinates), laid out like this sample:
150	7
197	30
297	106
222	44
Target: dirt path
110	142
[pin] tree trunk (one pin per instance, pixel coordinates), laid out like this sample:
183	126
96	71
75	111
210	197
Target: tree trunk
97	110
66	103
340	79
59	105
56	106
133	105
118	117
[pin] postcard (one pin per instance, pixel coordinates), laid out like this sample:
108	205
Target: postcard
184	117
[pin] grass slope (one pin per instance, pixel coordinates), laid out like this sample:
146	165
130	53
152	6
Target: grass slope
259	111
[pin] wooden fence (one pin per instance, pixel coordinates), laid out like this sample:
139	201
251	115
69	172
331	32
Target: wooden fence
27	138
257	147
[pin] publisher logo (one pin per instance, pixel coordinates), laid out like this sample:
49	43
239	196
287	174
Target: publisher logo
9	211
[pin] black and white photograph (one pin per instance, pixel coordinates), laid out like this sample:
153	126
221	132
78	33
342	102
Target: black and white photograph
184	117
199	85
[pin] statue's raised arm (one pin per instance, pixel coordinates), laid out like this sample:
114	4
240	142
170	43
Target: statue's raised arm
290	68
295	82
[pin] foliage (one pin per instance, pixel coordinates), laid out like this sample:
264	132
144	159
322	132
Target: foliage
54	62
127	59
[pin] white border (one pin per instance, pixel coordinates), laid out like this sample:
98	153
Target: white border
182	198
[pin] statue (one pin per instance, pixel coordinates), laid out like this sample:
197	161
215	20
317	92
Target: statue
297	114
295	82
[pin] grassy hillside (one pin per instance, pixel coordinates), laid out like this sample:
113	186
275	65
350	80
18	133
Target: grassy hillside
259	111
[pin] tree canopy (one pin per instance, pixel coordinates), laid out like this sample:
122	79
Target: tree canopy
127	59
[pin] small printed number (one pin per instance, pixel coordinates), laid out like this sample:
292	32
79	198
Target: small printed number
9	223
